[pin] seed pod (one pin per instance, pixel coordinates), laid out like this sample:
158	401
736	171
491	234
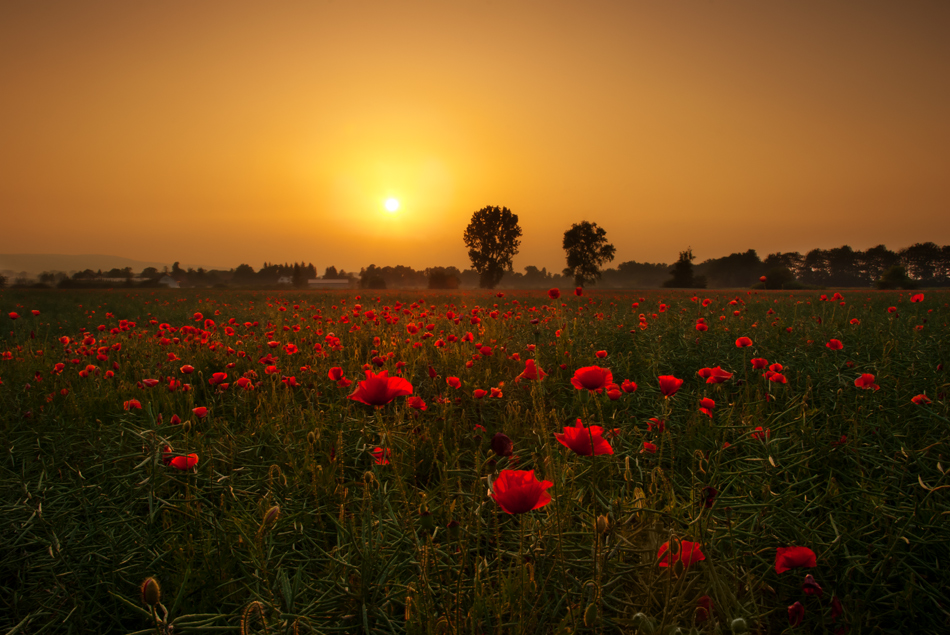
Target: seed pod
602	525
151	592
271	515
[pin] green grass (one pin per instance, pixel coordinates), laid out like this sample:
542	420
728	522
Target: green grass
90	510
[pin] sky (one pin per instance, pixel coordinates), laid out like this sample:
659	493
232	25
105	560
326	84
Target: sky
222	133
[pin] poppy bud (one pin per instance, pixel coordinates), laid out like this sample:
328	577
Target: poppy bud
271	515
151	592
311	438
739	626
602	525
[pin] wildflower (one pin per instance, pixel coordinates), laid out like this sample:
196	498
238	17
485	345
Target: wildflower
201	412
379	390
714	375
835	345
761	435
917	297
501	444
649	448
579	291
628	386
920	400
689	553
454	382
866	382
669	385
416	403
788	558
187	369
518	491
184	462
593	378
743	342
531	371
796	613
151	592
706	406
479	393
584	441
758	363
132	404
381	456
554	294
811	587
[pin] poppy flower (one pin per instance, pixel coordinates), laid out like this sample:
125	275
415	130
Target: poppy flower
703	608
479	393
579	291
866	382
761	435
709	496
892	309
501	444
518	491
601	354
788	558
689	553
649	448
187	369
531	371
175	420
217	378
714	375
835	345
150	383
659	423
581	440
381	456
132	404
201	412
379	390
796	613
758	363
416	403
706	406
628	386
184	462
454	382
920	400
496	393
743	342
701	327
811	587
917	297
593	378
335	373
14	315
778	378
669	385
554	294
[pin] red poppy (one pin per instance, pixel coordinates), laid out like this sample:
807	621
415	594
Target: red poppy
701	327
416	403
709	496
335	373
917	297
758	363
496	393
581	439
788	558
379	390
892	309
478	393
866	381
811	587
290	349
743	342
706	406
593	378
601	354
579	291
714	375
689	553
201	412
187	369
531	371
761	435
217	378
454	382
659	423
14	315
150	383
184	462
628	386
920	400
669	385
835	345
381	456
175	420
703	608
648	447
554	294
501	444
796	613
518	491
778	378
132	404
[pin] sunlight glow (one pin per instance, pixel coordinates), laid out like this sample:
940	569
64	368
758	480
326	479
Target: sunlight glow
391	205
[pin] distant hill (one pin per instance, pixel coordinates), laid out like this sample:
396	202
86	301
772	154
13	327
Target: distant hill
34	264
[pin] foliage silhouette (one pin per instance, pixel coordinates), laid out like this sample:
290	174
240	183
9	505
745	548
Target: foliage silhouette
492	237
587	251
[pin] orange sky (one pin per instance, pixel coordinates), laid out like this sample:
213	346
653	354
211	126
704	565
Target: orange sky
227	132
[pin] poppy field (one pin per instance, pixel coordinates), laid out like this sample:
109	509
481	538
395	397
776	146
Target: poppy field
474	462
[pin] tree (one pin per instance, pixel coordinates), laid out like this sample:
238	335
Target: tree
587	250
682	273
492	237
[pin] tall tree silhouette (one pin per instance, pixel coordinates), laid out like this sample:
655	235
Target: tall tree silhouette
492	237
682	273
587	251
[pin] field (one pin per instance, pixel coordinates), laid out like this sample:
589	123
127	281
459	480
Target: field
206	439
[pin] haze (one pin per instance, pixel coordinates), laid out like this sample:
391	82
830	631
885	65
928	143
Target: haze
232	132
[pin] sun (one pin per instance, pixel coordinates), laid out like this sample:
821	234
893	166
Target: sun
391	205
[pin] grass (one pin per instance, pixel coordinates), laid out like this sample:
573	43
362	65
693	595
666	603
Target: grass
418	545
